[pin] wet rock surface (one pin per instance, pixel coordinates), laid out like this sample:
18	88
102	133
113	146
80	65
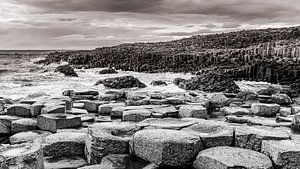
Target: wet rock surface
66	70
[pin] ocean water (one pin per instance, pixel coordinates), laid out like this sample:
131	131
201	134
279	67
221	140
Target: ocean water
19	77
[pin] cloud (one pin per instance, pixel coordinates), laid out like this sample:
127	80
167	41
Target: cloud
87	24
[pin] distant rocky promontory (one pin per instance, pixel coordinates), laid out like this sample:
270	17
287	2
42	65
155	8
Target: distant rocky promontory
271	55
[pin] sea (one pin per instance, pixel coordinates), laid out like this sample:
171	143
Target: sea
20	77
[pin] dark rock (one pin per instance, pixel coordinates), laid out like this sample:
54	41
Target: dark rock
210	82
123	82
66	70
108	71
158	83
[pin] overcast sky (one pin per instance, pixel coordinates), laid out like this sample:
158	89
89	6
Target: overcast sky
87	24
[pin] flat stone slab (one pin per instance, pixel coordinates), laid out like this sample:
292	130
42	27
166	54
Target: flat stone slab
166	123
235	111
251	137
28	136
170	111
64	144
22	156
105	109
64	162
24	124
54	109
21	110
136	115
231	157
76	111
266	110
193	111
285	153
52	122
255	120
166	148
212	133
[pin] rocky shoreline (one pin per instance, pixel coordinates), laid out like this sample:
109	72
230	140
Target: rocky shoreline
124	128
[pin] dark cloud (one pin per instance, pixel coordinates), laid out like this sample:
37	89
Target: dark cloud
96	5
241	9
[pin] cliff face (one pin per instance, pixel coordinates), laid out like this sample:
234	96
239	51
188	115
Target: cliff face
271	55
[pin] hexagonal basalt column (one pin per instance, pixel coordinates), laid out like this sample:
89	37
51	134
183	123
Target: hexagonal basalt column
108	138
212	133
52	122
284	153
65	144
166	148
251	137
231	157
22	156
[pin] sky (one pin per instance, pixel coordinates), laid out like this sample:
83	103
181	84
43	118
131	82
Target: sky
87	24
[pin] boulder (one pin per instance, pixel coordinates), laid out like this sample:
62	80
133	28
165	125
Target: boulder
231	157
166	148
21	110
193	111
123	82
22	156
24	124
28	136
66	70
64	144
136	115
52	122
251	137
158	83
64	162
218	100
282	99
108	71
267	110
284	153
212	133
